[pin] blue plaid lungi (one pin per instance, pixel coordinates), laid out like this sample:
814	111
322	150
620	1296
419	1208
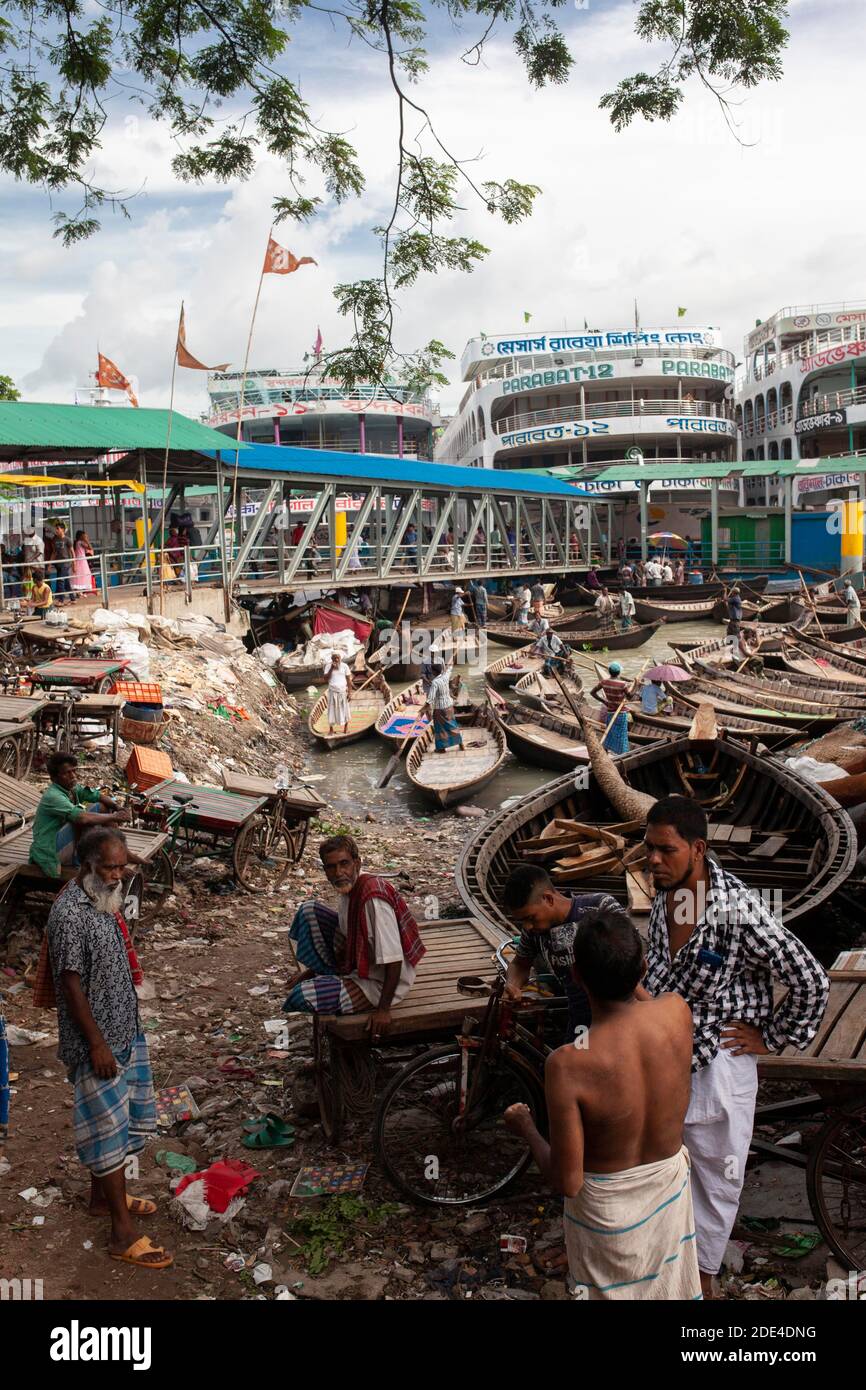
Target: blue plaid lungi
617	740
114	1117
317	942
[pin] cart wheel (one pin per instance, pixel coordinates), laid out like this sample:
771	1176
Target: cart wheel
836	1184
297	834
105	685
132	903
261	858
329	1085
26	750
158	880
9	757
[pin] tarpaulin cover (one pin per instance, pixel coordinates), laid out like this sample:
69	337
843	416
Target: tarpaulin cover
331	620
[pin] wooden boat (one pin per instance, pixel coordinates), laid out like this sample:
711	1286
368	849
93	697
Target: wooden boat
786	610
542	692
826	664
769	827
542	740
500	607
732	700
365	706
579	596
601	639
675	612
299	677
852	649
772	639
516	634
413	600
449	777
539	692
778	685
509	669
402	716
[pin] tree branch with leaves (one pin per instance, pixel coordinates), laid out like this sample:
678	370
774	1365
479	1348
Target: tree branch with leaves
213	72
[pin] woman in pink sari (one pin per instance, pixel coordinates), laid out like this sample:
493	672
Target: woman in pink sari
82	578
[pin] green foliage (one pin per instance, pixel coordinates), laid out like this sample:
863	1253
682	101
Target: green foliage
214	73
8	390
736	43
326	1232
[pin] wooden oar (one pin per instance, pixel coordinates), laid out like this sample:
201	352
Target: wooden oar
811	603
394	760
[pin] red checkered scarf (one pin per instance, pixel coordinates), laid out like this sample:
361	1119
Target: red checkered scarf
368	887
43	988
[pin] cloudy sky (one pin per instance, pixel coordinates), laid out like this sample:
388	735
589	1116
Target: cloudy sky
677	214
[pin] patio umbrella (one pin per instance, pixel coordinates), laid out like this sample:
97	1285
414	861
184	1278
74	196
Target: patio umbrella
666	536
666	672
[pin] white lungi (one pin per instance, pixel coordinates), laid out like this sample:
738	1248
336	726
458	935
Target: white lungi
717	1134
338	706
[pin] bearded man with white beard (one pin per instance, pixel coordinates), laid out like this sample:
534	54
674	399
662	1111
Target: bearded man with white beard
95	972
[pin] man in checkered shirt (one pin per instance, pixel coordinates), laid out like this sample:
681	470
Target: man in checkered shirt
716	943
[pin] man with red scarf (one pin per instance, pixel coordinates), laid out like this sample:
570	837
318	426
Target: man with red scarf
360	957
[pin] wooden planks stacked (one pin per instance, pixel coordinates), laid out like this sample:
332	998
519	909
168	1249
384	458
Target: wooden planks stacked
453	948
15	848
300	800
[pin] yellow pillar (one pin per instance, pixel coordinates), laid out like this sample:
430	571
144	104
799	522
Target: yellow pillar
139	539
341	531
852	514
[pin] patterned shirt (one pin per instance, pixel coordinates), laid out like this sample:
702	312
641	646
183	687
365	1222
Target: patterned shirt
725	970
90	943
439	695
552	952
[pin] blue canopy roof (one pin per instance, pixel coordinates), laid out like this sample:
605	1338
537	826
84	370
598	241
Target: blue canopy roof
376	468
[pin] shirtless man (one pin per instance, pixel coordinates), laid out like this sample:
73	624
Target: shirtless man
616	1107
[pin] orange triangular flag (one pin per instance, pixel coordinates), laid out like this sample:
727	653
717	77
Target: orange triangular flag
279	261
110	376
185	358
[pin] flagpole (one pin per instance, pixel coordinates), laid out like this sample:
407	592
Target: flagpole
236	526
165	474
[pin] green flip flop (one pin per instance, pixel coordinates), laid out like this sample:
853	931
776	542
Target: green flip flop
269	1121
267	1138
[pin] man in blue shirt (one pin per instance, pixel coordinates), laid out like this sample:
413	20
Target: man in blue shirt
548	921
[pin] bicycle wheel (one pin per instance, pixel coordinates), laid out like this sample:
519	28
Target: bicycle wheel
10	756
158	879
436	1161
836	1184
261	858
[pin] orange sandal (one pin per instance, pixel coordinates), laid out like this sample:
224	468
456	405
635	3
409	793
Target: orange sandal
141	1247
140	1206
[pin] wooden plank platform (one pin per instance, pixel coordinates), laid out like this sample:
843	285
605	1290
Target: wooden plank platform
455	947
18	798
18	709
210	808
301	800
74	670
15	849
838	1050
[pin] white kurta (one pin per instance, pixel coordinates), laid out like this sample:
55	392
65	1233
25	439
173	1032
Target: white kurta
383	936
338	701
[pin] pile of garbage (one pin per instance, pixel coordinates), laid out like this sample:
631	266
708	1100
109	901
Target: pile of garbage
315	652
225	707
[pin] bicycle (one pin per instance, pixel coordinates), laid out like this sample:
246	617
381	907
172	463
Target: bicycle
439	1131
268	846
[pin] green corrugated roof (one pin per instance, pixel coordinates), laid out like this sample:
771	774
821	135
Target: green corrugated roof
30	427
652	472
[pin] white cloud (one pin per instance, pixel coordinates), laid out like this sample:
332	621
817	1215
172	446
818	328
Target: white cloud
676	214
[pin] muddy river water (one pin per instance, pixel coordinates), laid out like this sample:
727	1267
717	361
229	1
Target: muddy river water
349	777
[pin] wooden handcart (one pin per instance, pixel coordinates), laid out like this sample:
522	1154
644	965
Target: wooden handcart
96	674
834	1067
345	1061
288	813
210	820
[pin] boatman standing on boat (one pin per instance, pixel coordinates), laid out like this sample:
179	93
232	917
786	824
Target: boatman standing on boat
604	607
852	604
718	944
626	609
612	692
338	677
440	706
361	957
547	644
616	1107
